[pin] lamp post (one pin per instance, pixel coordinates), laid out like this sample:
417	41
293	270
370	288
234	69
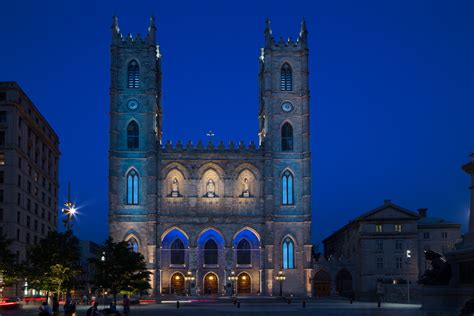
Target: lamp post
188	278
408	280
281	278
102	258
232	278
69	209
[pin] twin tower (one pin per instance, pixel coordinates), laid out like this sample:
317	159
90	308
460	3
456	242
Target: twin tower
209	211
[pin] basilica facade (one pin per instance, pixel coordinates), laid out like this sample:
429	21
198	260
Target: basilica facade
213	218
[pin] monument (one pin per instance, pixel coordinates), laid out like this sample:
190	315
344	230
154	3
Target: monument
457	296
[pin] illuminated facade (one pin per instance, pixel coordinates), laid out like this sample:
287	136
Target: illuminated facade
213	211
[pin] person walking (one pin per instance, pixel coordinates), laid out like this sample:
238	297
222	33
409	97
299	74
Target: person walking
126	305
45	310
93	310
55	305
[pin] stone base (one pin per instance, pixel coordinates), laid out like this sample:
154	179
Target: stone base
444	300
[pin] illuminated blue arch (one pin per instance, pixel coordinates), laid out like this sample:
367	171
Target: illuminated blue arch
250	235
171	235
210	233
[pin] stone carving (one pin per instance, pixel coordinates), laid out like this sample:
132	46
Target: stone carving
440	274
246	190
210	189
175	188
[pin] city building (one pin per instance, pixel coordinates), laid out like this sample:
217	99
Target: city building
383	246
89	249
213	210
29	159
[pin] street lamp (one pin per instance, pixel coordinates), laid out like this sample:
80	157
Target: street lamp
102	258
69	209
281	278
188	278
232	278
408	280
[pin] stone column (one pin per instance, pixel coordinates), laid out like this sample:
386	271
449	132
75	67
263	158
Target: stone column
469	237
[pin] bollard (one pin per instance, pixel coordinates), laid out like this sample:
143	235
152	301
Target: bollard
238	304
378	304
289	301
304	303
235	301
351	300
177	304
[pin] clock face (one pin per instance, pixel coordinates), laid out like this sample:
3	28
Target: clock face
287	106
132	104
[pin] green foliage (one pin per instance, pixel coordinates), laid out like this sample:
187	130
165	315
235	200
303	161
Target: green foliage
10	271
122	270
54	263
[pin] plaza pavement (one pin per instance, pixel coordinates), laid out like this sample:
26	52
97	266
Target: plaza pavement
248	307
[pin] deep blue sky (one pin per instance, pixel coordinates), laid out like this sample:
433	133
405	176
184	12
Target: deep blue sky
391	91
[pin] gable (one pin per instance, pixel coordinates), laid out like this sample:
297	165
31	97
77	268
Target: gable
389	211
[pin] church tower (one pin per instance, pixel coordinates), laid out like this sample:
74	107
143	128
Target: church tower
135	133
285	136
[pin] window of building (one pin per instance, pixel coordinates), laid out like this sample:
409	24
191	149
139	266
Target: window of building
3	117
19	181
28	221
28	204
287	188
28	187
288	253
18	234
35	227
378	228
3	96
379	245
444	235
2	138
398	245
398	228
426	235
1	214
42	229
132	135
287	137
133	244
1	195
42	213
36	240
2	159
18	201
243	252
132	187
2	174
379	263
28	238
398	262
177	252
133	74
210	252
286	78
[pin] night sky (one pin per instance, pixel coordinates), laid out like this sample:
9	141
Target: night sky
392	98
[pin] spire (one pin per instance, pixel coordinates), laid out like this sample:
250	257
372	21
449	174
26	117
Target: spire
152	31
115	29
268	34
303	38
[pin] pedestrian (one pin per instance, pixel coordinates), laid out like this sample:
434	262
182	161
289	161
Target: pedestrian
93	310
84	300
69	307
45	310
55	305
126	305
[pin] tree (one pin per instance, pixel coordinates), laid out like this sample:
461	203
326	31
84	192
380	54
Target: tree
54	263
10	271
119	268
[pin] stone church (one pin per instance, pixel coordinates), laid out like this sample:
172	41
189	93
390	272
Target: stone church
213	218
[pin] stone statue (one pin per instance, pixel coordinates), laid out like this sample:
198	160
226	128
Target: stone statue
440	274
175	188
210	188
246	191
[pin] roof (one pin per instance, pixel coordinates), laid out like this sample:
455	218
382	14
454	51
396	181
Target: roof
427	221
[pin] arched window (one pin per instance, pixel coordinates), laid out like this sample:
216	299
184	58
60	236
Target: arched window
287	137
286	78
133	74
133	244
132	135
210	252
287	189
177	252
288	254
132	187
243	252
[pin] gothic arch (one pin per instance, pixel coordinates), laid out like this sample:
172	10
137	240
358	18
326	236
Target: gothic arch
208	172
250	229
214	233
175	166
289	236
210	165
170	229
247	166
130	169
246	181
132	234
167	183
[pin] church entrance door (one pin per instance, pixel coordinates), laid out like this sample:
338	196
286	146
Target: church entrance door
244	283
322	284
211	283
177	283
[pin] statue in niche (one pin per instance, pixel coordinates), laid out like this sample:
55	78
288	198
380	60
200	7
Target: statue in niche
175	188
210	189
246	191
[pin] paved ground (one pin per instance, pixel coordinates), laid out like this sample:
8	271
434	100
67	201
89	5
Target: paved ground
320	307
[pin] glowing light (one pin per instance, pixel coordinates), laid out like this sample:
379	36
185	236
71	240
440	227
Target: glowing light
408	253
211	277
244	277
177	277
